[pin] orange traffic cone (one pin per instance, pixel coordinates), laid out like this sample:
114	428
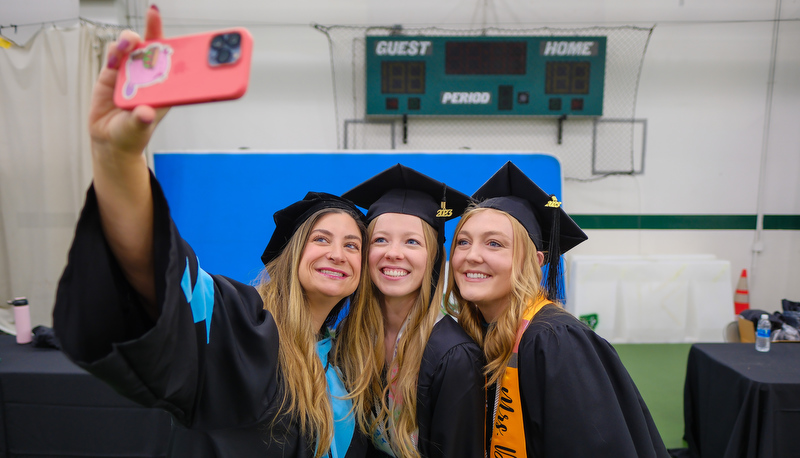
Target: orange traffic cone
741	300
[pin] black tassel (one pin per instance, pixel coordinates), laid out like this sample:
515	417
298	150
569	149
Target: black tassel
438	261
440	239
554	282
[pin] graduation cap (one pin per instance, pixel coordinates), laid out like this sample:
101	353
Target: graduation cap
401	189
548	225
287	220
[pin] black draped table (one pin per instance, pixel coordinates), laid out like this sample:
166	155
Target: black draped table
49	407
739	402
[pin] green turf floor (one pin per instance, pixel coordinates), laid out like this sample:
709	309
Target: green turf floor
659	371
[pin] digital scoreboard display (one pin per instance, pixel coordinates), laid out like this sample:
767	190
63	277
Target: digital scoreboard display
434	75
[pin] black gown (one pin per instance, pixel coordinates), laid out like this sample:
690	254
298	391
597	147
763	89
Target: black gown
210	359
450	395
578	400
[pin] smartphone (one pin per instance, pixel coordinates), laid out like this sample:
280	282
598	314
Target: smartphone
203	67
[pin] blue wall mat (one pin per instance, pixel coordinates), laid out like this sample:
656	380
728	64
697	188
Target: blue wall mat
223	203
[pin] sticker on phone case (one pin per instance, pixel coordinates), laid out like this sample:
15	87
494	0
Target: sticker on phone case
146	67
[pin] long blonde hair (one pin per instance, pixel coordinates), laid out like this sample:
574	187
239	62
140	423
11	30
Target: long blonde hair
526	276
364	361
303	379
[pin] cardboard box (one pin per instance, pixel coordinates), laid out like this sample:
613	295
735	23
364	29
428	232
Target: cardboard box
747	331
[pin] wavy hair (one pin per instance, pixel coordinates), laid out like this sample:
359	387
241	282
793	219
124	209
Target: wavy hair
526	276
362	334
303	375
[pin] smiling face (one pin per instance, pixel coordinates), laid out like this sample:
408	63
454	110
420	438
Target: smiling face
398	255
330	266
482	261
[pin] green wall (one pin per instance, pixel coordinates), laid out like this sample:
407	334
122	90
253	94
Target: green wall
714	222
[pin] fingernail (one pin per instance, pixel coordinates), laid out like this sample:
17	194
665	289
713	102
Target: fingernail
154	7
112	61
123	44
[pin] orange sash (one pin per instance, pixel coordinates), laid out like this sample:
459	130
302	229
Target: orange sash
508	437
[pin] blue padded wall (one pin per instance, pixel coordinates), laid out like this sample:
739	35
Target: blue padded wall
223	202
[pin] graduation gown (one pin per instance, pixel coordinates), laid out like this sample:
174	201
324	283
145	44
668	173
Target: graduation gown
210	359
578	399
450	395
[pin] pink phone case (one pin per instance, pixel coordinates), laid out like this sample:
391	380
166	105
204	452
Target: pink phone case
204	67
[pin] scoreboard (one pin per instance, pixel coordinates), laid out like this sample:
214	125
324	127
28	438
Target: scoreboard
509	75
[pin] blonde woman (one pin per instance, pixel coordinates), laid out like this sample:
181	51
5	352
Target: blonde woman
556	389
242	370
422	391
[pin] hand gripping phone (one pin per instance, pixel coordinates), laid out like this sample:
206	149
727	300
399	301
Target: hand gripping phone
204	67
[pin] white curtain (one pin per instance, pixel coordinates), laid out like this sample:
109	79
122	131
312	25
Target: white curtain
45	165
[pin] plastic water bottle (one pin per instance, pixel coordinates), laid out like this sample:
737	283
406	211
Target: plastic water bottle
762	333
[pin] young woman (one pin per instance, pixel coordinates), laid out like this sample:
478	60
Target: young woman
418	384
242	370
556	389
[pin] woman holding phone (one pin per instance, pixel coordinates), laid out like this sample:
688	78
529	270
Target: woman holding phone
555	388
417	382
243	370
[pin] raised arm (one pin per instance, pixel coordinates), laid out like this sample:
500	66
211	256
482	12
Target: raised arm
121	175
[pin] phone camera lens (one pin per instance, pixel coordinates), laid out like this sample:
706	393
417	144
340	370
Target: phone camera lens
224	56
225	49
233	39
218	42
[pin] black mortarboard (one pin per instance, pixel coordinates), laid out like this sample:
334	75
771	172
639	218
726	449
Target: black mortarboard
290	218
400	189
548	225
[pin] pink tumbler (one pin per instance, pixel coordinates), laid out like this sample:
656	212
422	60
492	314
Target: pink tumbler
22	319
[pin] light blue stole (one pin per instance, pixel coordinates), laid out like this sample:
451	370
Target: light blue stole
344	422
